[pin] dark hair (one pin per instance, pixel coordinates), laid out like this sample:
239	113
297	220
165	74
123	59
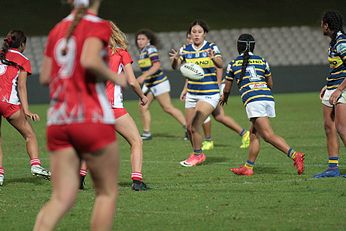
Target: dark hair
199	22
245	44
14	39
335	23
154	40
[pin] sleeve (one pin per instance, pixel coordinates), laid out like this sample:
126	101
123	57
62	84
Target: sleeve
22	61
341	49
229	72
216	50
267	69
101	30
126	57
153	54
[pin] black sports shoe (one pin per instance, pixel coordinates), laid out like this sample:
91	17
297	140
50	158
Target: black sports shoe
82	182
139	186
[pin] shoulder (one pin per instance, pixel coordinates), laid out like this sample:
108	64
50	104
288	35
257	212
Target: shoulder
151	49
16	55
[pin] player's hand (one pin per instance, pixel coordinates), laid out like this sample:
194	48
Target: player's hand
32	116
144	100
183	95
223	99
211	53
323	90
333	99
173	54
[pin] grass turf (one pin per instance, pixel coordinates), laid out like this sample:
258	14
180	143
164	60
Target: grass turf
207	197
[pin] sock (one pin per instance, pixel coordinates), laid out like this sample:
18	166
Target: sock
242	132
207	138
333	162
137	176
291	153
148	133
197	152
249	164
83	172
2	171
35	162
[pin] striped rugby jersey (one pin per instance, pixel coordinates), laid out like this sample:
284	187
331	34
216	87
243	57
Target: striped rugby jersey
207	85
253	86
149	55
336	59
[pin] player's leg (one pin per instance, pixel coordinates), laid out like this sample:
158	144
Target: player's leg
127	128
219	115
21	123
65	165
208	143
165	102
254	149
332	141
264	129
146	117
103	166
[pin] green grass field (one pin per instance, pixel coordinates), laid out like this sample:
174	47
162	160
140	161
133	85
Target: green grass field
207	197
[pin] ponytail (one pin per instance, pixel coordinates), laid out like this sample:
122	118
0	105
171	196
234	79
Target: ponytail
118	38
79	14
245	44
14	39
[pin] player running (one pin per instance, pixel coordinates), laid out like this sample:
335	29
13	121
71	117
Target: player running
253	77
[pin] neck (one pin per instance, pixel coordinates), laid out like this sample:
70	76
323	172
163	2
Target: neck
94	8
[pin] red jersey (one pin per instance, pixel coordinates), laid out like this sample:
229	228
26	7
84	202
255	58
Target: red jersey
9	76
117	61
76	95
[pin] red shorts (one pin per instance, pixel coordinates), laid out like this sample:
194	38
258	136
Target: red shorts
8	109
119	112
83	137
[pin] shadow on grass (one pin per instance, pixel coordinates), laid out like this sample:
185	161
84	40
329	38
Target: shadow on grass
215	159
168	135
265	170
27	180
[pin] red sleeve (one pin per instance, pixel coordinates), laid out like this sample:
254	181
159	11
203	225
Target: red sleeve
48	51
125	57
22	61
101	30
27	66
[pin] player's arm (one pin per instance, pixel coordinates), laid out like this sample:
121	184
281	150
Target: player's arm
23	96
219	73
226	92
269	81
92	61
184	91
45	70
132	81
152	70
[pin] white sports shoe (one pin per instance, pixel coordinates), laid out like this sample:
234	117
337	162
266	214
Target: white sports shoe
38	170
2	178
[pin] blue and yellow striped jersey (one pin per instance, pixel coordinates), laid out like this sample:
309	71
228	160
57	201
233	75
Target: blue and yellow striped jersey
149	55
253	86
207	85
336	58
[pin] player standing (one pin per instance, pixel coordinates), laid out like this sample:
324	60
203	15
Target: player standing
14	71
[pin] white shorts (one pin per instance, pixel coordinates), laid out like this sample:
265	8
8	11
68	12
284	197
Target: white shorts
222	86
328	93
191	100
260	109
158	89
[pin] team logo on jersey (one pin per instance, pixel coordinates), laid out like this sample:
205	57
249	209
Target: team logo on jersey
204	54
3	69
189	56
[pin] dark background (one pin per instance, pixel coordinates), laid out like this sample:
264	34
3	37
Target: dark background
36	17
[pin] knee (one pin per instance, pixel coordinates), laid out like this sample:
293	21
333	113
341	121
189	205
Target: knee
267	136
341	130
329	127
168	109
66	200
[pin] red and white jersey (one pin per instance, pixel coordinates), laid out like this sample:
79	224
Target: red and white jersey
117	61
76	95
9	76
